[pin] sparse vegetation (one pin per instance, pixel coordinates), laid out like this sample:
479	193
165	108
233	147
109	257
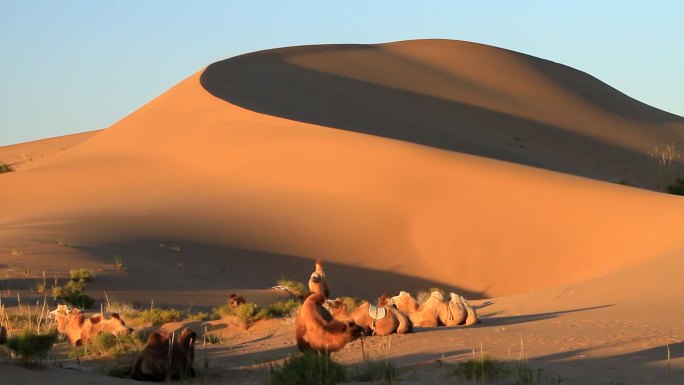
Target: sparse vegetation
250	312
31	347
4	167
295	287
371	371
118	262
81	275
308	368
487	369
158	316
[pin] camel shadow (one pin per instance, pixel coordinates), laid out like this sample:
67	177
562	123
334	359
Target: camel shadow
525	318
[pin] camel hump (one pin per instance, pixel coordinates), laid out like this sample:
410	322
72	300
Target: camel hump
438	295
95	319
116	315
376	312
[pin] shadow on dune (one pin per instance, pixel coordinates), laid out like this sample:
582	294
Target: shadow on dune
518	319
267	83
172	272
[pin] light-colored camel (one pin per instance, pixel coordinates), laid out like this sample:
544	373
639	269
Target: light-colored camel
318	282
435	310
166	357
81	331
316	329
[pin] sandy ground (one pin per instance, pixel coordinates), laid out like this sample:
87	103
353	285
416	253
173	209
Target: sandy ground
404	166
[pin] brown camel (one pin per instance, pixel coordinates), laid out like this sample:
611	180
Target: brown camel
381	320
235	301
81	331
318	283
316	329
166	357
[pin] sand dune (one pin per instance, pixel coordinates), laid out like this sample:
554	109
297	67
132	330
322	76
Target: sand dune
404	166
189	167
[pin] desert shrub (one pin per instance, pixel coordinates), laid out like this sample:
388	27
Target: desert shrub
308	368
158	316
283	308
118	262
296	287
107	344
676	187
78	299
483	369
5	168
81	275
384	371
32	347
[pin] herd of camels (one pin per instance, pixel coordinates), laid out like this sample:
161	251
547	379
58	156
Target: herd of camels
321	325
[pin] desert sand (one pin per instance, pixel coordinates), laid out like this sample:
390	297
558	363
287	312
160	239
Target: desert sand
404	166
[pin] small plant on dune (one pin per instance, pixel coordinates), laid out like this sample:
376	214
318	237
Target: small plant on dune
72	291
4	167
676	187
81	275
295	287
482	369
32	347
107	344
308	368
118	262
283	308
384	371
158	316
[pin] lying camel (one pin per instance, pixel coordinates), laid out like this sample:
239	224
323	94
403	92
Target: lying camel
381	320
166	357
318	282
436	311
80	331
316	329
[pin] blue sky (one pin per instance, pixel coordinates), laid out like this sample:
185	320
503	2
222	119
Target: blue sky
74	66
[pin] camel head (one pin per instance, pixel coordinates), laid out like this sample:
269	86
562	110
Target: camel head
404	302
62	310
315	277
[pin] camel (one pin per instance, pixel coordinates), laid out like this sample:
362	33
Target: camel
318	283
381	320
235	301
436	311
317	330
166	357
80	331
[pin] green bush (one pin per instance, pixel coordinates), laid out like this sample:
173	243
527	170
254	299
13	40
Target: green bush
78	299
32	347
296	287
158	316
81	275
308	368
677	187
5	168
283	308
484	369
385	371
